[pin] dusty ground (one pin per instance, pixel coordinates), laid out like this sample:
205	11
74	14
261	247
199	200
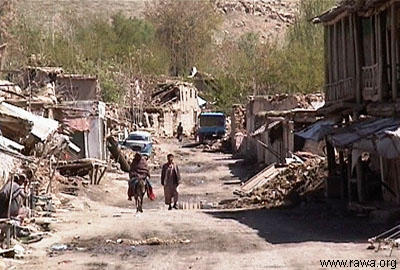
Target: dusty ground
295	238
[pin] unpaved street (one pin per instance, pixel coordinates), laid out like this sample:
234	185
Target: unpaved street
102	230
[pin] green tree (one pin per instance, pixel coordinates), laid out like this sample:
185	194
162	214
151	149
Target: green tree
6	17
185	29
299	66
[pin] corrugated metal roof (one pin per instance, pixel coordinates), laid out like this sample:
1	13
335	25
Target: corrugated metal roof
42	127
317	131
381	136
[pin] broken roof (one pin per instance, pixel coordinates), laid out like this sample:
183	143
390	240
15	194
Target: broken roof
317	131
381	136
365	8
41	127
169	91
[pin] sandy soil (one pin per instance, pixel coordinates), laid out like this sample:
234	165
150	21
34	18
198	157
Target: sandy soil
295	238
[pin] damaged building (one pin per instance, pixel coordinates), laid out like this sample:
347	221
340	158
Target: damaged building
174	102
362	56
271	122
71	99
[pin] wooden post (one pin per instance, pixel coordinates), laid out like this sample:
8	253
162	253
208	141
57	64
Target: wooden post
360	181
96	172
357	59
373	40
379	55
344	49
91	174
327	54
101	176
331	158
48	189
349	173
335	54
9	226
342	174
394	52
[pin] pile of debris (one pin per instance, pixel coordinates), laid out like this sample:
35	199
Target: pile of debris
276	9
268	17
284	186
41	112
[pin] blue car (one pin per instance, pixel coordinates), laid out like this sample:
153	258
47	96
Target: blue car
139	141
212	126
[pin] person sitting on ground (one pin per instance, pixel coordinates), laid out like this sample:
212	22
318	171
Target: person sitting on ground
170	178
139	170
17	192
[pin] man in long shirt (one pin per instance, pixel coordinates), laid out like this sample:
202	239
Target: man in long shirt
170	179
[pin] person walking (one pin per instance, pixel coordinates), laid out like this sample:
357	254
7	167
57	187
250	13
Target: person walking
170	179
179	132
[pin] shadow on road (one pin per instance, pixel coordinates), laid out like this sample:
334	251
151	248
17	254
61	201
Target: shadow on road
243	169
302	224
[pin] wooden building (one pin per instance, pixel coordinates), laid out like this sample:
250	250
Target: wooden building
362	63
362	52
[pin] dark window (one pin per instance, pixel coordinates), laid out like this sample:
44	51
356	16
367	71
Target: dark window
212	121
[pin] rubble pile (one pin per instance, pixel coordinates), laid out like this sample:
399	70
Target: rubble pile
270	18
41	112
221	145
238	118
295	183
275	10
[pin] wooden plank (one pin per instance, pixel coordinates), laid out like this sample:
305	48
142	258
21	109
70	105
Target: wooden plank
344	49
342	174
101	175
379	56
96	172
349	178
255	180
360	181
357	52
327	55
335	54
394	52
91	174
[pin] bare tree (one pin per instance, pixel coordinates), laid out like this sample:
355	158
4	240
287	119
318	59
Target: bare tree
185	28
6	16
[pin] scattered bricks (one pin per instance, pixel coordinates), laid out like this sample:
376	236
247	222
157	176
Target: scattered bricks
292	185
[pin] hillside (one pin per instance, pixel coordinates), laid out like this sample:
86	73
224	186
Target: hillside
269	18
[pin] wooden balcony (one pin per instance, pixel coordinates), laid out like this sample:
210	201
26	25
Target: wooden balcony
342	90
370	82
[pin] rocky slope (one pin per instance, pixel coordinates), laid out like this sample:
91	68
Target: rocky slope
269	18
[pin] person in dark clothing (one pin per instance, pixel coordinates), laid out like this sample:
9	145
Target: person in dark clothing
17	192
139	170
179	132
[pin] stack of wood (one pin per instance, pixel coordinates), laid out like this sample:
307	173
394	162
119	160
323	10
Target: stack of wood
289	187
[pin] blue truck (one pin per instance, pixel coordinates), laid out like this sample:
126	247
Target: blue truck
212	125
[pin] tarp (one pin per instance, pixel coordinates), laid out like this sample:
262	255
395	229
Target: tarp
42	127
317	131
380	136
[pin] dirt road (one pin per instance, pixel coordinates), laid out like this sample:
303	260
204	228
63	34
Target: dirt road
102	231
